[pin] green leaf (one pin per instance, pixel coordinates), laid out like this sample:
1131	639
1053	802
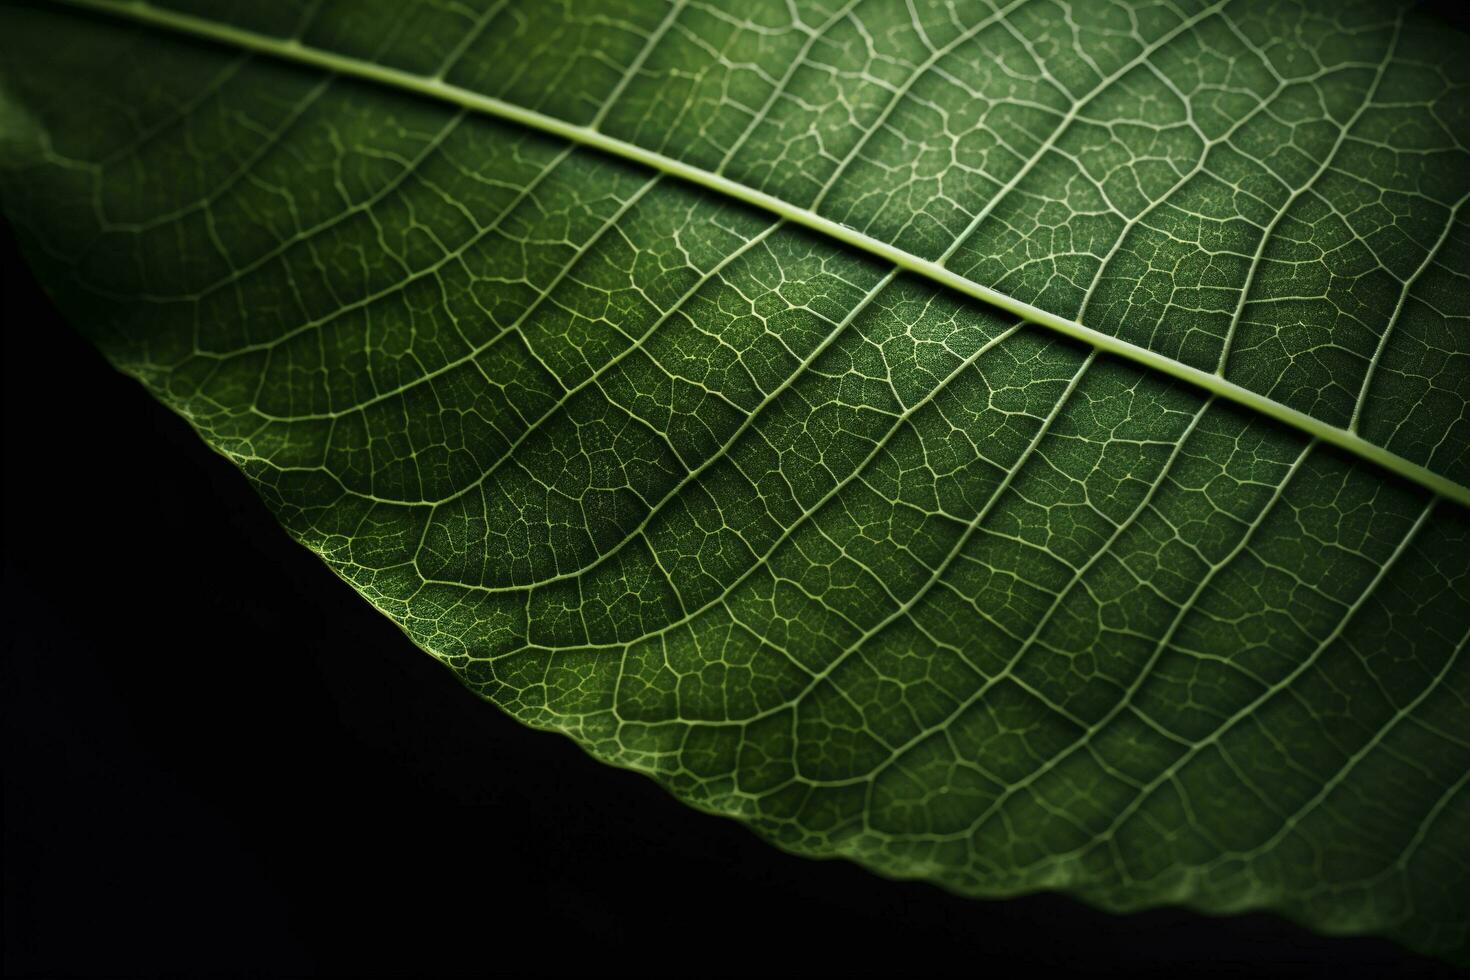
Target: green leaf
1019	446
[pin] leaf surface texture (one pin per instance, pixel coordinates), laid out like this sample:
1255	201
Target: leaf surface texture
1020	445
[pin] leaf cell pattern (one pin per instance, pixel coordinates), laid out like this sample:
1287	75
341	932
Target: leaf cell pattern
813	539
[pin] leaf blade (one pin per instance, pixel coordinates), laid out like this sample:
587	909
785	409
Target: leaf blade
790	524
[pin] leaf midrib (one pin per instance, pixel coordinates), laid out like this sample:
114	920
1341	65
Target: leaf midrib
294	51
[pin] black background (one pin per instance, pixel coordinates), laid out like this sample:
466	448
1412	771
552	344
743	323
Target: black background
218	759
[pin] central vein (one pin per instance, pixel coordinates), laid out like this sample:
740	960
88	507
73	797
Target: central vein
933	271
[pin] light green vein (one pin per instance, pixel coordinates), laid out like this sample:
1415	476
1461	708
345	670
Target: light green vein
294	51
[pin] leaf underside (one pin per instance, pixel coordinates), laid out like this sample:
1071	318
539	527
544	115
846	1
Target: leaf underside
1019	445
